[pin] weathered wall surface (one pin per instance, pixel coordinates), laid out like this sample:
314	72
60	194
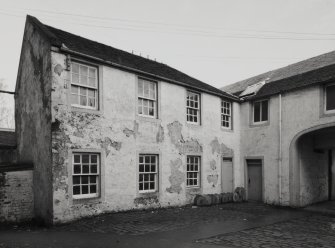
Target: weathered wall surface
301	113
8	155
313	171
33	116
16	196
120	134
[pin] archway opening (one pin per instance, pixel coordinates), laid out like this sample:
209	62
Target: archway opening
313	167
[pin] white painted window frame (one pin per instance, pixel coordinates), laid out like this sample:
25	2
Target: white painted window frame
224	113
148	173
97	174
260	112
198	109
198	171
87	87
142	97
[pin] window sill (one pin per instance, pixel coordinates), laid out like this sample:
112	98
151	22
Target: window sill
86	110
193	124
327	114
147	119
260	124
148	194
86	200
226	129
193	190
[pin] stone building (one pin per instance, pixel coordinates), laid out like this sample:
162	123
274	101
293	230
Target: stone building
107	130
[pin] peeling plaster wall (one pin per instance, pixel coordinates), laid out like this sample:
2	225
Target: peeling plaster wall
120	134
301	112
33	116
314	172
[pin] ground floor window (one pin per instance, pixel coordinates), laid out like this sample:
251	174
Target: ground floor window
193	171
85	179
148	167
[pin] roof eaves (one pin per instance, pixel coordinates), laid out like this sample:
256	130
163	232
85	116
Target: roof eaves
221	93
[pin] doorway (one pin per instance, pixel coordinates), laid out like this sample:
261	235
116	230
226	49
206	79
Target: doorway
255	180
227	175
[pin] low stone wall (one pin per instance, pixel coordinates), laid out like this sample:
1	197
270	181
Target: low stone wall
16	196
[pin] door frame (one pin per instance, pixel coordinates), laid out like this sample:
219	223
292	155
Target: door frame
246	174
233	174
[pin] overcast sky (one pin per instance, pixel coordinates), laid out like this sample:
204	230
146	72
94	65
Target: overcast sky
216	41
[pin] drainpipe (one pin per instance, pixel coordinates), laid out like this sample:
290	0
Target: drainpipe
280	151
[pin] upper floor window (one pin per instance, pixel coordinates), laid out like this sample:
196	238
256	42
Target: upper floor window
147	98
226	114
84	86
330	98
148	177
193	107
260	109
85	175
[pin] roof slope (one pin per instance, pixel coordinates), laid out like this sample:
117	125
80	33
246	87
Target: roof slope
301	68
122	58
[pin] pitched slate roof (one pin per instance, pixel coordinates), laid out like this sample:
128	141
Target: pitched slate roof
60	38
314	70
7	139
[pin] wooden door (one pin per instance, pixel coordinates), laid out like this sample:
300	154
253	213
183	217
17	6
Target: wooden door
255	180
227	175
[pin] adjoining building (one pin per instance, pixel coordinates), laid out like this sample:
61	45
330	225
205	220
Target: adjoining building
108	130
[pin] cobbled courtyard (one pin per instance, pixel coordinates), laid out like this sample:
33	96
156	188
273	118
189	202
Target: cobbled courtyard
227	225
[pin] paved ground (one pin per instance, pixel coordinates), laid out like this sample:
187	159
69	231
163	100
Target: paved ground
228	225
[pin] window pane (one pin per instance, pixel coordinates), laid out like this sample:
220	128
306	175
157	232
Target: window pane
146	90
141	186
93	189
86	169
83	70
94	158
77	169
94	168
141	168
83	80
76	190
76	158
264	110
140	87
84	189
76	180
92	73
75	68
86	158
91	102
91	82
83	100
84	180
75	78
147	168
152	185
330	97
147	159
257	111
93	179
